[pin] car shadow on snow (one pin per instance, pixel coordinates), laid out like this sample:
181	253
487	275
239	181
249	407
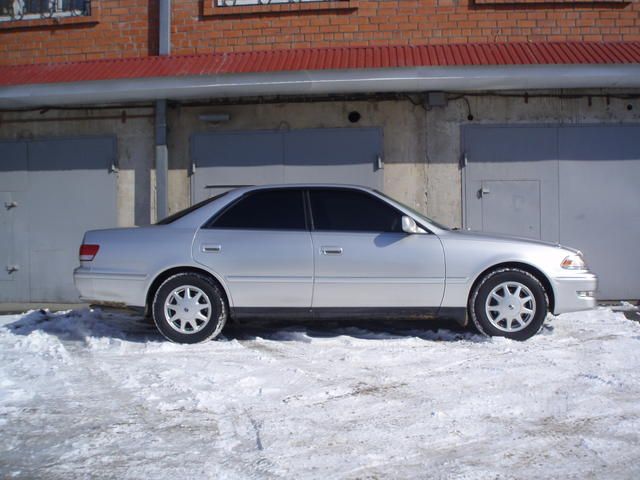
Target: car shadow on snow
434	330
78	325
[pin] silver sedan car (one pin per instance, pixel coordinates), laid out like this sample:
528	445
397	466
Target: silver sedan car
326	252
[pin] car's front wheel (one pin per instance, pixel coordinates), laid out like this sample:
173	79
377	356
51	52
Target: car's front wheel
189	308
508	303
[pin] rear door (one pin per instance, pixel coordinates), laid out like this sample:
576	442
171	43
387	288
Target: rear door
364	259
262	248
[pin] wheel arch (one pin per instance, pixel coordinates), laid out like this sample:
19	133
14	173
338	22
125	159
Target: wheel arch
165	274
536	272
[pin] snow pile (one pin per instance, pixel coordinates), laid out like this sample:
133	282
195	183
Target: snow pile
86	393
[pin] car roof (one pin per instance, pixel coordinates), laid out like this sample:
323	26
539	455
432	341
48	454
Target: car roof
199	215
196	218
251	188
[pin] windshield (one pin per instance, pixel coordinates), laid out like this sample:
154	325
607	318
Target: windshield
187	211
414	211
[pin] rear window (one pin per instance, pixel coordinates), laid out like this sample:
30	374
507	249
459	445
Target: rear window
187	211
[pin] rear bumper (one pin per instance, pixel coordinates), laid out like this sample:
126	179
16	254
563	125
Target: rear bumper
570	293
106	287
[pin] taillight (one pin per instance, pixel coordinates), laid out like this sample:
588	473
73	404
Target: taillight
88	252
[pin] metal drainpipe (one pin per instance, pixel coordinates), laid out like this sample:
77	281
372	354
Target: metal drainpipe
162	153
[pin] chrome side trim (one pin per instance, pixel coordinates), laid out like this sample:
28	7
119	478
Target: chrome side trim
105	275
382	280
266	279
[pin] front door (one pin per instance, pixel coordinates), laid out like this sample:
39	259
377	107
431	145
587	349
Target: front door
363	259
261	247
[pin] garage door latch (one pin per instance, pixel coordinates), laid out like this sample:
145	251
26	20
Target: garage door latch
10	205
12	268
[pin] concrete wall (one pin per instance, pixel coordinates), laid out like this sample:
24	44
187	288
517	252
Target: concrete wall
422	148
403	130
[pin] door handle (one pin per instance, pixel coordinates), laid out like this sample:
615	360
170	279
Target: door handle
211	248
331	250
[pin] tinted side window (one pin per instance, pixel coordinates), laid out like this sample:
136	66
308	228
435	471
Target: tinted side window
353	211
274	210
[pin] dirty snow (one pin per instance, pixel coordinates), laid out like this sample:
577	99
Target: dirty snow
90	394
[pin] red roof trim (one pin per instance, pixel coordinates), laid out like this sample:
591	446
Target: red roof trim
553	53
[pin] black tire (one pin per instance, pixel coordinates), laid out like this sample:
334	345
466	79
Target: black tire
495	326
217	313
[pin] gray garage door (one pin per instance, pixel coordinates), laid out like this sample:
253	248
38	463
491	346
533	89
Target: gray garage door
52	191
225	160
577	185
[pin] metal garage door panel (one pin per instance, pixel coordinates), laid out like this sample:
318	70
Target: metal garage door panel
226	160
7	258
13	166
334	155
71	190
513	153
13	179
13	214
511	207
14	249
80	153
600	203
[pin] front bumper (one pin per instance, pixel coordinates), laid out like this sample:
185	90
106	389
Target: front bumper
570	292
106	287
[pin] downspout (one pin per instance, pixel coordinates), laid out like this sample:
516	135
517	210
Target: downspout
162	153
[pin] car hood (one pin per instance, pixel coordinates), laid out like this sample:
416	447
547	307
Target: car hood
496	237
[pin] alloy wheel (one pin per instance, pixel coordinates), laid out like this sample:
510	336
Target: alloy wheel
187	309
510	306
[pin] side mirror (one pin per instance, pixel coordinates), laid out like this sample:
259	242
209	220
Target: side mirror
409	225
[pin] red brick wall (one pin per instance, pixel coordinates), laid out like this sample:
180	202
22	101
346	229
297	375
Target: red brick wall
115	29
128	28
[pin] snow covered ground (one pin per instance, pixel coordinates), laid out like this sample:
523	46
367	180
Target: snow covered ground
90	394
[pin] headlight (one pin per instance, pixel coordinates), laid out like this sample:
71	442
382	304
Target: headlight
574	262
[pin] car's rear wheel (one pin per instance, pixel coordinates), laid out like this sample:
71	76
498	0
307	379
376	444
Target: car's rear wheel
509	303
189	308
